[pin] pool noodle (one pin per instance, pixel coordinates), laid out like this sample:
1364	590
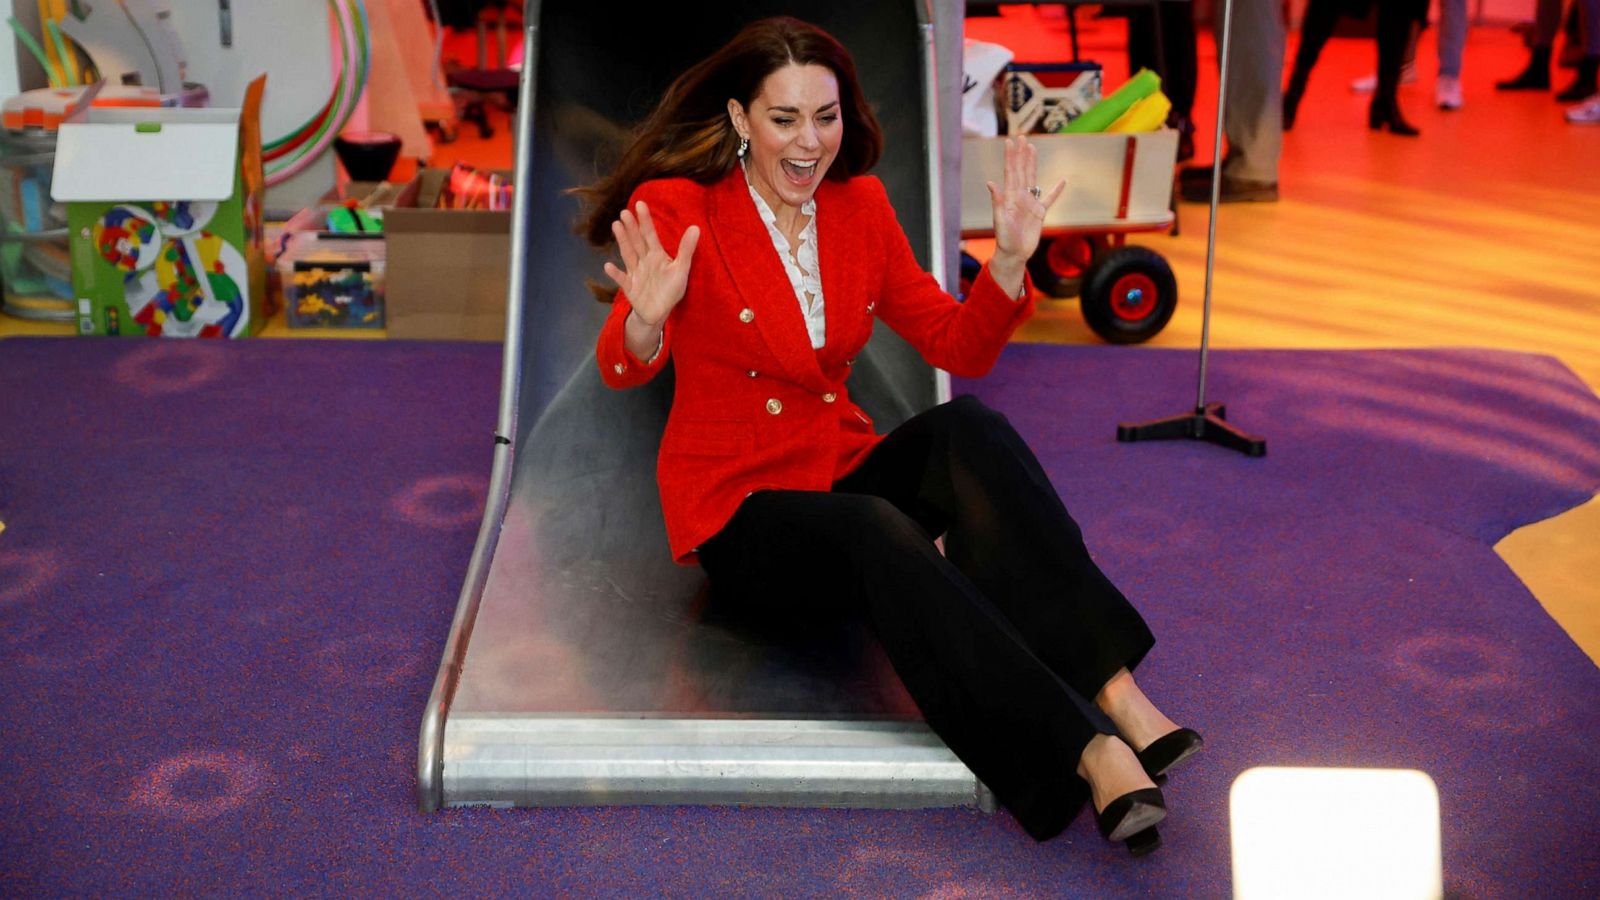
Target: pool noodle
1148	114
1102	114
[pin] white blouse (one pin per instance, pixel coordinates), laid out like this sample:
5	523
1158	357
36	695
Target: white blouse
799	262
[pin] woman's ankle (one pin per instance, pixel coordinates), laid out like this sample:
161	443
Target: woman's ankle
1115	693
1136	717
1110	767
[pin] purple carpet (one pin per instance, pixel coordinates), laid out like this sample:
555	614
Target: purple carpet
227	572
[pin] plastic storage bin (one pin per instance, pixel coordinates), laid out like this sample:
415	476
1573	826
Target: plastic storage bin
332	280
35	266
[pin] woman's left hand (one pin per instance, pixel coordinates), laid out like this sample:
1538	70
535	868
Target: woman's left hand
1019	205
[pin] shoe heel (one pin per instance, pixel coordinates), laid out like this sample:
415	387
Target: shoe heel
1145	842
1130	814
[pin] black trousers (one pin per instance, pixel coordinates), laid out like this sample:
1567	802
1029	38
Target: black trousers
1003	641
1395	21
1179	49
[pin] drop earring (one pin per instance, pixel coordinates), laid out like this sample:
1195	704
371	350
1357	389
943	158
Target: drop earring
744	146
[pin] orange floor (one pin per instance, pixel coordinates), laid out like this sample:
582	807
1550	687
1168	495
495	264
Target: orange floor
1483	232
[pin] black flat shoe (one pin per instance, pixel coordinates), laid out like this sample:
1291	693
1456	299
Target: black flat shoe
1234	190
1168	750
1129	816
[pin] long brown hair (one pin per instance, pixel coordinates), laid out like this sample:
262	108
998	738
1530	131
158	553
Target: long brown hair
689	134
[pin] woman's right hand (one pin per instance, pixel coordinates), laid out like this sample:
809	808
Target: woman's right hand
653	281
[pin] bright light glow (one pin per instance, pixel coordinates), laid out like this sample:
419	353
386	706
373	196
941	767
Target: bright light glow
1335	833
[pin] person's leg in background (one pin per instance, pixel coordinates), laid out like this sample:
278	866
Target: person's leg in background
1181	58
1452	45
1536	76
1571	39
1397	20
1366	84
1586	84
1252	117
1315	28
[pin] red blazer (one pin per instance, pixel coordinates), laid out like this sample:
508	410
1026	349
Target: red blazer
755	406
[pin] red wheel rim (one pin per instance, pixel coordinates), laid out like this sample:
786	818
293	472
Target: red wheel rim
1133	297
1070	256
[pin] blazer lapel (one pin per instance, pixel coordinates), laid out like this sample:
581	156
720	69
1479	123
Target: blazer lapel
843	281
752	262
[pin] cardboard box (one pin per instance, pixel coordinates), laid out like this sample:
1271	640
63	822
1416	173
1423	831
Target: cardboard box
164	216
448	270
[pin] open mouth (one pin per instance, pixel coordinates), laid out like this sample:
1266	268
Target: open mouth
800	171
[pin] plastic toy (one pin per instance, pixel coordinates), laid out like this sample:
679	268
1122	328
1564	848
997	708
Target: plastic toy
336	294
352	218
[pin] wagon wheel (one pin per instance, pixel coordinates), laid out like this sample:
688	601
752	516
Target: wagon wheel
1058	265
1129	294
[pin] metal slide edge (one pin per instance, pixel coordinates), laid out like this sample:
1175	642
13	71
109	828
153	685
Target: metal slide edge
430	743
931	140
530	761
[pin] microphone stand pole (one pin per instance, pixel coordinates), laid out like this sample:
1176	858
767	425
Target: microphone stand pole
1208	422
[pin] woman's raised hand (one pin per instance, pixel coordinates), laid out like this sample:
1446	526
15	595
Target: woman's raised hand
1019	205
653	280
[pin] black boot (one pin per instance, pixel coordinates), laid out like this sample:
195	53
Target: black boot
1386	114
1536	77
1584	86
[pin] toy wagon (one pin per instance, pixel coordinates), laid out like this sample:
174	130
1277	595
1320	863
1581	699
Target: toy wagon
1117	184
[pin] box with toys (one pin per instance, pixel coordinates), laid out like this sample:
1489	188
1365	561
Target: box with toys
1044	97
164	216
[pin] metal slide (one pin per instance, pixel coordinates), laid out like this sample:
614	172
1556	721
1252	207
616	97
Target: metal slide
583	666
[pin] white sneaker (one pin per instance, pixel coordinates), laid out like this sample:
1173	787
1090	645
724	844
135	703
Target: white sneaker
1366	84
1447	91
1585	113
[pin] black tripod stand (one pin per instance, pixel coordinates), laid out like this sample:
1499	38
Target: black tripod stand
1208	421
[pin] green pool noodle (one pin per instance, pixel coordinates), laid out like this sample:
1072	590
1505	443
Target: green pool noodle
1108	110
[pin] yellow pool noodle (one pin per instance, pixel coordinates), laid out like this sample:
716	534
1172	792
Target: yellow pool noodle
1146	115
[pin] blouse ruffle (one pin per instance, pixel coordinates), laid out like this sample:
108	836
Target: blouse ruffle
799	263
